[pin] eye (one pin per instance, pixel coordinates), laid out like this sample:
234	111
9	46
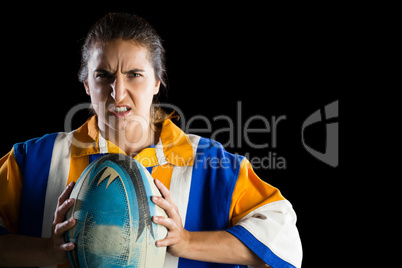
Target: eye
133	75
103	75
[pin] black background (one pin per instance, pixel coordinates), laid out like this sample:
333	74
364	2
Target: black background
289	60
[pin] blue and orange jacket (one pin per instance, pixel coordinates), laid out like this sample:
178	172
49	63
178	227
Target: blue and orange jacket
213	189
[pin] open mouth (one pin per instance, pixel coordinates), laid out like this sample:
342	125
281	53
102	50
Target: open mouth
119	111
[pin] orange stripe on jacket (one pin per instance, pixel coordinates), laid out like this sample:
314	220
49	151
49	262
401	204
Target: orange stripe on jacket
163	174
10	191
77	166
250	193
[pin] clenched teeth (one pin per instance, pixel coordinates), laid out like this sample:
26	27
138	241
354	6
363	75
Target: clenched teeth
120	109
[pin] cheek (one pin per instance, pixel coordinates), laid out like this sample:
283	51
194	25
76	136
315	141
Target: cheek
142	95
142	103
98	99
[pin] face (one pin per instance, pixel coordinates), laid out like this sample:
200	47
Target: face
121	83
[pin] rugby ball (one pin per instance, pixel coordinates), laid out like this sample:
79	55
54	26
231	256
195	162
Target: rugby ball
114	212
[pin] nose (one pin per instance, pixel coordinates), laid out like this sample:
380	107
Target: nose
119	90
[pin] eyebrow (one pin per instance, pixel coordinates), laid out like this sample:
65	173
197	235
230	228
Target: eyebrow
135	70
101	70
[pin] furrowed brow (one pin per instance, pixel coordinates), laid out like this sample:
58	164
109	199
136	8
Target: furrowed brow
135	70
100	70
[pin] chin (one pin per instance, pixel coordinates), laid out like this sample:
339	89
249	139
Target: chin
131	122
115	125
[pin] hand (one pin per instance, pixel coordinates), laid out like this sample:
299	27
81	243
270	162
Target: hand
177	238
210	246
57	247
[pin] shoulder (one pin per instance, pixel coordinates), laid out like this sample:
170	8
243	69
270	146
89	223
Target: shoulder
211	154
206	146
34	148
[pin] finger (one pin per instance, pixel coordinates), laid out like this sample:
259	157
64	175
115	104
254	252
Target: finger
165	242
66	193
164	191
169	223
168	207
61	210
67	246
64	226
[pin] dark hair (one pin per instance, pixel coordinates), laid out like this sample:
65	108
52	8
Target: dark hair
127	27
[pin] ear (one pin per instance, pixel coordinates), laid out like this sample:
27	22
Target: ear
87	87
157	86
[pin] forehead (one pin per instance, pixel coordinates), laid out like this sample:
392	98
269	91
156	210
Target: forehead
119	53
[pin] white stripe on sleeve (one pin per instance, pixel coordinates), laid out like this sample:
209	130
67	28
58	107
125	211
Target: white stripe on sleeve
274	225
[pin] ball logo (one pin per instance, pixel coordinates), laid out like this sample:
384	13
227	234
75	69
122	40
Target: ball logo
331	155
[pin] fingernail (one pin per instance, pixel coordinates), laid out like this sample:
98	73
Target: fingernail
155	198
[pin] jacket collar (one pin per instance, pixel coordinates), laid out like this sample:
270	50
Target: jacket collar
174	146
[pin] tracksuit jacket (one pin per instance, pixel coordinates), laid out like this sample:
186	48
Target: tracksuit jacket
213	189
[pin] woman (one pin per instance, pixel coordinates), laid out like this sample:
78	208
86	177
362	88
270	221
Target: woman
218	210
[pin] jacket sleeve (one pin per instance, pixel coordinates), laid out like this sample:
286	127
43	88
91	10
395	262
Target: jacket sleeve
264	220
10	193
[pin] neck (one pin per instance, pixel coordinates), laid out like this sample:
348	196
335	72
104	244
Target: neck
131	140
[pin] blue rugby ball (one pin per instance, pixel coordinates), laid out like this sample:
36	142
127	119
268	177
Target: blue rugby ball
114	212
